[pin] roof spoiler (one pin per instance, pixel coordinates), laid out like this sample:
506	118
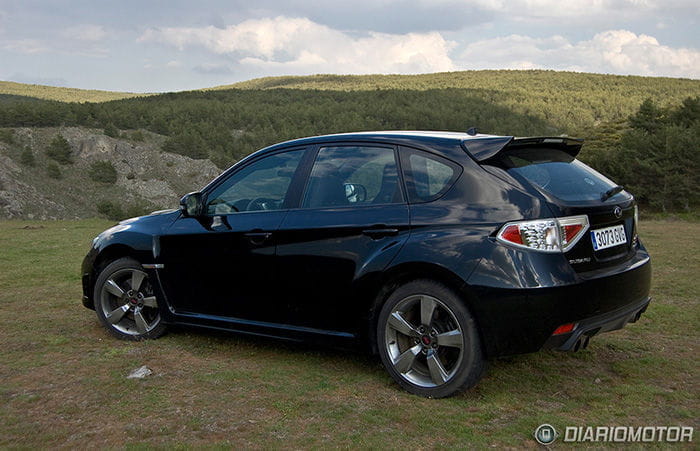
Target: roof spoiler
485	148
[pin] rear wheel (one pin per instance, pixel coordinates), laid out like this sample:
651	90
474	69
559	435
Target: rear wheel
125	302
428	340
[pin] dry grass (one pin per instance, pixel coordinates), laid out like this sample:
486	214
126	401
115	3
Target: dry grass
62	377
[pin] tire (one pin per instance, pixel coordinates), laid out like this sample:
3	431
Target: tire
428	341
125	302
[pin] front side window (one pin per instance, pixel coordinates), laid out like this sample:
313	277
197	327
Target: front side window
260	186
353	176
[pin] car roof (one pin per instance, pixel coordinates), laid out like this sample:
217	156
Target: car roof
400	136
446	143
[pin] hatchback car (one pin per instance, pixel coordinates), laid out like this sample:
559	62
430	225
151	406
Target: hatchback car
437	250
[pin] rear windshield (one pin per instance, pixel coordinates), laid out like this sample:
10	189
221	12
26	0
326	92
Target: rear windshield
556	172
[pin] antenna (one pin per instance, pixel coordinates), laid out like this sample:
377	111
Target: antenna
472	131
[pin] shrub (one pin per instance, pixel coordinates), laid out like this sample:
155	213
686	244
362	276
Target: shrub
111	130
103	172
188	144
115	212
27	157
53	171
60	150
7	135
110	210
138	136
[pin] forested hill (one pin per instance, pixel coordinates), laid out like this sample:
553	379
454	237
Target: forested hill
568	99
226	123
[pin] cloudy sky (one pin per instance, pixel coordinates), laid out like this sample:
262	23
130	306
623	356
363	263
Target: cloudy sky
171	45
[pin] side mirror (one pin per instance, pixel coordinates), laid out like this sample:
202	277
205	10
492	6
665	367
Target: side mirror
355	192
191	204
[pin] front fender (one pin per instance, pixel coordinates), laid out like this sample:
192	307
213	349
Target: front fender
138	238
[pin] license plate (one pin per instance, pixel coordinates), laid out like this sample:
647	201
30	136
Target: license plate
608	237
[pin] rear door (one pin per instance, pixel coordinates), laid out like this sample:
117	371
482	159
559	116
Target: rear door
351	222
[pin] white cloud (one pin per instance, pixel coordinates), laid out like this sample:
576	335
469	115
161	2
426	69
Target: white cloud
300	44
90	33
82	40
614	51
27	46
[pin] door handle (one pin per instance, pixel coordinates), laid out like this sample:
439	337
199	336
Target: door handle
375	234
258	237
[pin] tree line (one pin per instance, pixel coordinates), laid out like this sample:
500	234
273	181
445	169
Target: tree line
653	151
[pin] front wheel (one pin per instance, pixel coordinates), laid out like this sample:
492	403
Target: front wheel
125	302
428	340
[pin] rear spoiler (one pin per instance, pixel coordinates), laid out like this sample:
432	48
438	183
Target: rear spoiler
484	148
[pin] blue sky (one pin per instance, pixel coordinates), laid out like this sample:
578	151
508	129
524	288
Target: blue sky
159	45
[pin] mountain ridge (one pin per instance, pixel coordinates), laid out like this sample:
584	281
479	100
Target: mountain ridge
499	78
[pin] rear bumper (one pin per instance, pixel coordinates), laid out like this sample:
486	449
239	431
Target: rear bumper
585	329
522	320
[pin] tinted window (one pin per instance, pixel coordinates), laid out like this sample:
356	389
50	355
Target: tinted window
353	175
429	176
557	173
261	185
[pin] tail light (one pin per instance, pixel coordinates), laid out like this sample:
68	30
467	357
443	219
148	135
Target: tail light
635	237
545	235
564	329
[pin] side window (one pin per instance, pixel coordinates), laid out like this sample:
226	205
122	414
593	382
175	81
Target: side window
259	186
429	176
353	175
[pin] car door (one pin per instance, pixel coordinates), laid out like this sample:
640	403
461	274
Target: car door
222	263
351	222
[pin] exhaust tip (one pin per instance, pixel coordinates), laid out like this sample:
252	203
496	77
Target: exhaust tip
577	346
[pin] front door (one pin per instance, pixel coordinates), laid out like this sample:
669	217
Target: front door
222	263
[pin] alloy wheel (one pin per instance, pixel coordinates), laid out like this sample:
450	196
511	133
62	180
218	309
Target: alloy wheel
128	303
424	341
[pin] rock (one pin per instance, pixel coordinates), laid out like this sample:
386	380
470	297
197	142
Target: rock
140	373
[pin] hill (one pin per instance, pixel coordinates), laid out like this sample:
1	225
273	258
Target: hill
569	99
62	94
224	124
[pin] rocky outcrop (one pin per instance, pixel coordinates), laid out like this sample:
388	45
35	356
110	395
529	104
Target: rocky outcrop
145	174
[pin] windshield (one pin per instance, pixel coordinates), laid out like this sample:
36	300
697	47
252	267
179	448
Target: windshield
557	173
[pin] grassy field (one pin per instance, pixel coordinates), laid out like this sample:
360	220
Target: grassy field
63	378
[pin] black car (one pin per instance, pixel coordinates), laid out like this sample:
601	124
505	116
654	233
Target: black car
437	250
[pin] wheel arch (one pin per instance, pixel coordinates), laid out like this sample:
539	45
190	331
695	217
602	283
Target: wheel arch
405	272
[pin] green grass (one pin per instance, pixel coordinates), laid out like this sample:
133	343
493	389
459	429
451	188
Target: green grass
63	377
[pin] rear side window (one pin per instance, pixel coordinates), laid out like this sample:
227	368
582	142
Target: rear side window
428	176
347	176
556	173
